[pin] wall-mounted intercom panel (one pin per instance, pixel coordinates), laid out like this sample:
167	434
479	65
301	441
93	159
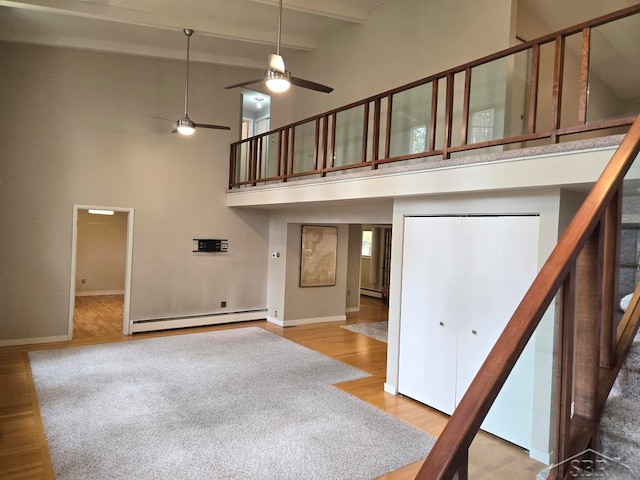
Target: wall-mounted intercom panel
211	245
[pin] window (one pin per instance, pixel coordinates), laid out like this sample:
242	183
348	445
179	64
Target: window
366	243
418	139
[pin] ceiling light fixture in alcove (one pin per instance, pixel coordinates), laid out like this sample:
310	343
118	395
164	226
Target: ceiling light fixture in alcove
95	211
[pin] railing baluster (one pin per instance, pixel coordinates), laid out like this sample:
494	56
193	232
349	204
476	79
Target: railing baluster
332	157
556	95
465	107
325	143
588	304
316	146
375	148
251	164
611	225
365	132
279	160
533	89
288	151
434	114
584	76
260	174
448	117
387	135
565	367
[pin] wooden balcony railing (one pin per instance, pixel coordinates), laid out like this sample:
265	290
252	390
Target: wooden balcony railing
582	269
500	101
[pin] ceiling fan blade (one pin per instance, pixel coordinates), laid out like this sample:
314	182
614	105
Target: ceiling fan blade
276	62
311	85
245	83
162	118
215	127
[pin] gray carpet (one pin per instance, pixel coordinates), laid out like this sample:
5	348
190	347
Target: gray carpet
232	404
377	330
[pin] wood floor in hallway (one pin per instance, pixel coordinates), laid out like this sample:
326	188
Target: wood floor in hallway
23	448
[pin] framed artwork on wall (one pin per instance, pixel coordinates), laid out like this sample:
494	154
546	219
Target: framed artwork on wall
318	254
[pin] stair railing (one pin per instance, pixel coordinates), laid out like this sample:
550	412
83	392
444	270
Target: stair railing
365	134
582	269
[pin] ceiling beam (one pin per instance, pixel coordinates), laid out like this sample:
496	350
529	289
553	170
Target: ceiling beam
326	8
203	26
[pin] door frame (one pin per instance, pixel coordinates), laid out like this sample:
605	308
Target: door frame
126	324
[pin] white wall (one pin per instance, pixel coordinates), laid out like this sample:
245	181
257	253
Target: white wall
75	130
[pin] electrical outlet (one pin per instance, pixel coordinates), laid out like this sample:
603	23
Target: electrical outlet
223	304
84	280
348	293
275	313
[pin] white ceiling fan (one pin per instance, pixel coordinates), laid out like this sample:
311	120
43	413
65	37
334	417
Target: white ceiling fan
277	77
185	125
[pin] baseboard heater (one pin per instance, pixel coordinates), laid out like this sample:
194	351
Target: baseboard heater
199	320
370	293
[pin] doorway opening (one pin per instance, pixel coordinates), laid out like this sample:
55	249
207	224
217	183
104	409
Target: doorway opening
99	297
256	113
375	266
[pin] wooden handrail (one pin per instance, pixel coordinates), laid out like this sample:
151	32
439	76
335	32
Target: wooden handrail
454	441
381	132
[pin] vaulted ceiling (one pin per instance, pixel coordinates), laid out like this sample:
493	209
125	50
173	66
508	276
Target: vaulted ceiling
244	32
232	32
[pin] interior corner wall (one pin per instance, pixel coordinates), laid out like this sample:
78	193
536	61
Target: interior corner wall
80	134
399	42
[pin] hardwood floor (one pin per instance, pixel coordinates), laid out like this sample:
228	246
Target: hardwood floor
98	316
23	448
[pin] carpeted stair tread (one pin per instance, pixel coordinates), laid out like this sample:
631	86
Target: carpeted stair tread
627	453
627	384
633	359
620	419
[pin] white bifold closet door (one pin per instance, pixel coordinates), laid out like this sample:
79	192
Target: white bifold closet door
462	278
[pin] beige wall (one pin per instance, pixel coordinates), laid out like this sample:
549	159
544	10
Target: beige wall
76	131
101	252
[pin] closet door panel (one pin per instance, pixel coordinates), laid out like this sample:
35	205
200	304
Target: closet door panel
429	310
511	415
478	298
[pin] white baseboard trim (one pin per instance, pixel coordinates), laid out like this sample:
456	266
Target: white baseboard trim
352	309
277	321
151	325
96	293
34	341
539	455
305	321
390	389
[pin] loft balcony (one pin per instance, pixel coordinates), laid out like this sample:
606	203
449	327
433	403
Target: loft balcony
557	93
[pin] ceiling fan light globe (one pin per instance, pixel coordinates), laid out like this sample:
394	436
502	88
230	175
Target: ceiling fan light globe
277	81
186	126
